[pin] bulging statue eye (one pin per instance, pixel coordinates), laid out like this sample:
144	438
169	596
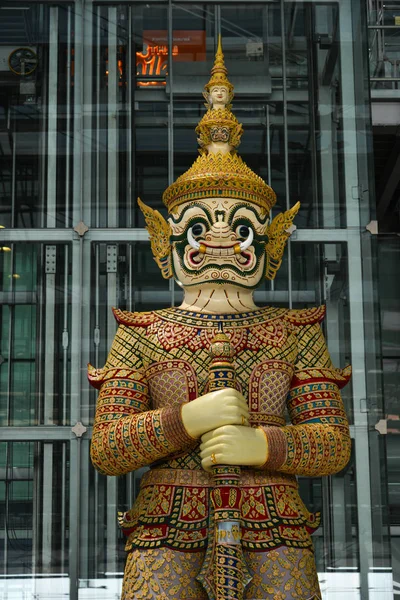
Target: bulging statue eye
242	231
198	229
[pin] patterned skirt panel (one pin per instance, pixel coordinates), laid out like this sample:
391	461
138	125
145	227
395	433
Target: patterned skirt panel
164	574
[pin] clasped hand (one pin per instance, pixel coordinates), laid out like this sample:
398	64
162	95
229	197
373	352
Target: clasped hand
221	420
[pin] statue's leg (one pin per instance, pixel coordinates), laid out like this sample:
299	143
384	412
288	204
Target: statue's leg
162	574
283	574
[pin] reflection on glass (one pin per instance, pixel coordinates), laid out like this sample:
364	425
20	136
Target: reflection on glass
34	488
34	321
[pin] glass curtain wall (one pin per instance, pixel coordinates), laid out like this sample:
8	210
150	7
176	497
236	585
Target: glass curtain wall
98	105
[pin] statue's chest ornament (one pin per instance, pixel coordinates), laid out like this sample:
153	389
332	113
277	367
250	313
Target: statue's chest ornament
174	335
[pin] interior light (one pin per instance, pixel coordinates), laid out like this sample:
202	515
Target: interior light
2	226
16	276
5	249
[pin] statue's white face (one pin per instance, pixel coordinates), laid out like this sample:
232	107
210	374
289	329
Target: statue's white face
219	95
219	241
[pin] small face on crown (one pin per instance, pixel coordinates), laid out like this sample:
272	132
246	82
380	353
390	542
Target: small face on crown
220	241
219	96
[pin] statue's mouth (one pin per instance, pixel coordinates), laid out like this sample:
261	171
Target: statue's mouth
197	257
199	251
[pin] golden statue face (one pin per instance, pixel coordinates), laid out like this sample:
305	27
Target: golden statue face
219	95
220	241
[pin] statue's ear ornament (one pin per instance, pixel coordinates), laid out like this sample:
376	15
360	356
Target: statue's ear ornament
159	232
278	232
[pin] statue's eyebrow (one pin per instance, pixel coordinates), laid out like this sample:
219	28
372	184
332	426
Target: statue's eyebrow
201	209
235	209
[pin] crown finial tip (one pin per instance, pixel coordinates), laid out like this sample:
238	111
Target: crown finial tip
219	72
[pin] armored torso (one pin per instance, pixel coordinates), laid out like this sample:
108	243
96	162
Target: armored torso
167	352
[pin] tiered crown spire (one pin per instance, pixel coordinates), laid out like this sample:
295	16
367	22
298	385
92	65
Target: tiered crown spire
219	171
219	72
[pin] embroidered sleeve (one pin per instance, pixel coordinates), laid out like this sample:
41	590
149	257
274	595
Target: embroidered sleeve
126	433
318	441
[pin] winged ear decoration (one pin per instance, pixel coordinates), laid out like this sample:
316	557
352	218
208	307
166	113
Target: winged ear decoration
159	232
278	232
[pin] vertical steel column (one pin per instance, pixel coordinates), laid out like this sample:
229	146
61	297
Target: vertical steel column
329	193
85	265
85	335
170	118
68	119
112	121
48	392
13	174
328	128
65	337
112	482
170	96
335	507
361	441
49	326
313	80
52	120
97	99
75	445
285	141
42	143
39	385
76	303
112	251
87	112
8	412
130	70
351	180
46	506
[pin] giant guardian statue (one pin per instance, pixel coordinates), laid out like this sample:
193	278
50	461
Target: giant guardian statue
225	401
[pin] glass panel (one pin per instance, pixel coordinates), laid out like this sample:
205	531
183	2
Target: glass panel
103	557
35	142
389	283
34	348
34	521
130	113
384	46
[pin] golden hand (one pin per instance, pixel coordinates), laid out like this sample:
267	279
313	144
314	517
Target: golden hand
234	445
223	407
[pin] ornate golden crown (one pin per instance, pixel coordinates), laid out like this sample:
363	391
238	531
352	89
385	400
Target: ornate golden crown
218	174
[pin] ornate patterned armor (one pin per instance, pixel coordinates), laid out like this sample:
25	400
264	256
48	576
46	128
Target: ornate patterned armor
158	361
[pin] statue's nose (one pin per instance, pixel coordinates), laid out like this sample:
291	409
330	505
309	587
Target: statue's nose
219	231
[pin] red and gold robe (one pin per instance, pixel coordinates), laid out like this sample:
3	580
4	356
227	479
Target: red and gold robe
158	361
